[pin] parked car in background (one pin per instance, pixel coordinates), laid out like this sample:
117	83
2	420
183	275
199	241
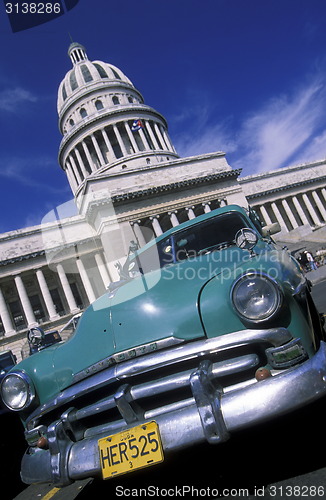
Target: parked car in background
211	329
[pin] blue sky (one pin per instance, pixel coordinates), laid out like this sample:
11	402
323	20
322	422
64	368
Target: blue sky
242	76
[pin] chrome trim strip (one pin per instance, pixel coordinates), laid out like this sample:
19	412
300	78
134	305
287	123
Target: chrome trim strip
125	355
169	383
187	351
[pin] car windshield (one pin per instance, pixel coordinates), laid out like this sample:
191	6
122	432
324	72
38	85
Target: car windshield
204	237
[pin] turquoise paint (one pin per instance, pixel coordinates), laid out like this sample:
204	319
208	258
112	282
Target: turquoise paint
187	300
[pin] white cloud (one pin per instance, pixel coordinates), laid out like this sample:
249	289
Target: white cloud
288	129
280	131
199	134
12	99
25	171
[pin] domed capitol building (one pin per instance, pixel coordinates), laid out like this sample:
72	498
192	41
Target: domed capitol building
130	185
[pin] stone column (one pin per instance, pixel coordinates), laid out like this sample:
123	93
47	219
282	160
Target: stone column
85	280
81	163
88	156
5	316
278	216
168	141
131	137
300	211
138	233
97	148
319	204
323	192
156	226
164	138
310	209
108	145
152	136
102	270
27	308
71	177
289	213
174	219
159	135
191	213
75	169
46	295
120	141
145	141
265	215
67	290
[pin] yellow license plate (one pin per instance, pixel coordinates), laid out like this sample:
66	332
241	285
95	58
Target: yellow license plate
130	450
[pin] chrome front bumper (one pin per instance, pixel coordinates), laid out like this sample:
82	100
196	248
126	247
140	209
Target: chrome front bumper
209	416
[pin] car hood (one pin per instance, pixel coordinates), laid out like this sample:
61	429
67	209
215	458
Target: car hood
164	304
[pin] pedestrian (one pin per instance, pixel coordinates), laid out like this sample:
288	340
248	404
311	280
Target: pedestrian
311	261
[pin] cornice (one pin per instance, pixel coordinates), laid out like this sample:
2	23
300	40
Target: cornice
285	188
120	199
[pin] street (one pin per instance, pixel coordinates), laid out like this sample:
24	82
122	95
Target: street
273	454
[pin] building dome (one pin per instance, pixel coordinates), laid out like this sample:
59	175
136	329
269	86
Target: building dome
106	126
86	75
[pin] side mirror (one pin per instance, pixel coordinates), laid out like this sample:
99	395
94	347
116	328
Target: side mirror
271	229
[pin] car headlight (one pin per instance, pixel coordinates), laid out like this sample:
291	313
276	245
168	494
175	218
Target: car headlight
256	297
17	391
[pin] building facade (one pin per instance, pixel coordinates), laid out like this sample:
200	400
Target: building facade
128	184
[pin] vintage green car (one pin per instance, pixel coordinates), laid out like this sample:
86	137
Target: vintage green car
211	329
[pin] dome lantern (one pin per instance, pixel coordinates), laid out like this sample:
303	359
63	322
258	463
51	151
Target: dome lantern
77	53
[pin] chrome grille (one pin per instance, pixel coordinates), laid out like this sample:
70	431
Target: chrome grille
154	384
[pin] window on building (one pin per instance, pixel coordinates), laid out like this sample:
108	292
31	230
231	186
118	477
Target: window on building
57	302
71	122
101	70
130	99
116	75
83	112
115	99
76	295
37	308
64	92
17	315
99	104
86	73
73	80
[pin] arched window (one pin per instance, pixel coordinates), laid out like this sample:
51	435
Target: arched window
130	99
73	81
101	70
71	122
115	74
83	112
115	99
64	92
99	104
86	73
